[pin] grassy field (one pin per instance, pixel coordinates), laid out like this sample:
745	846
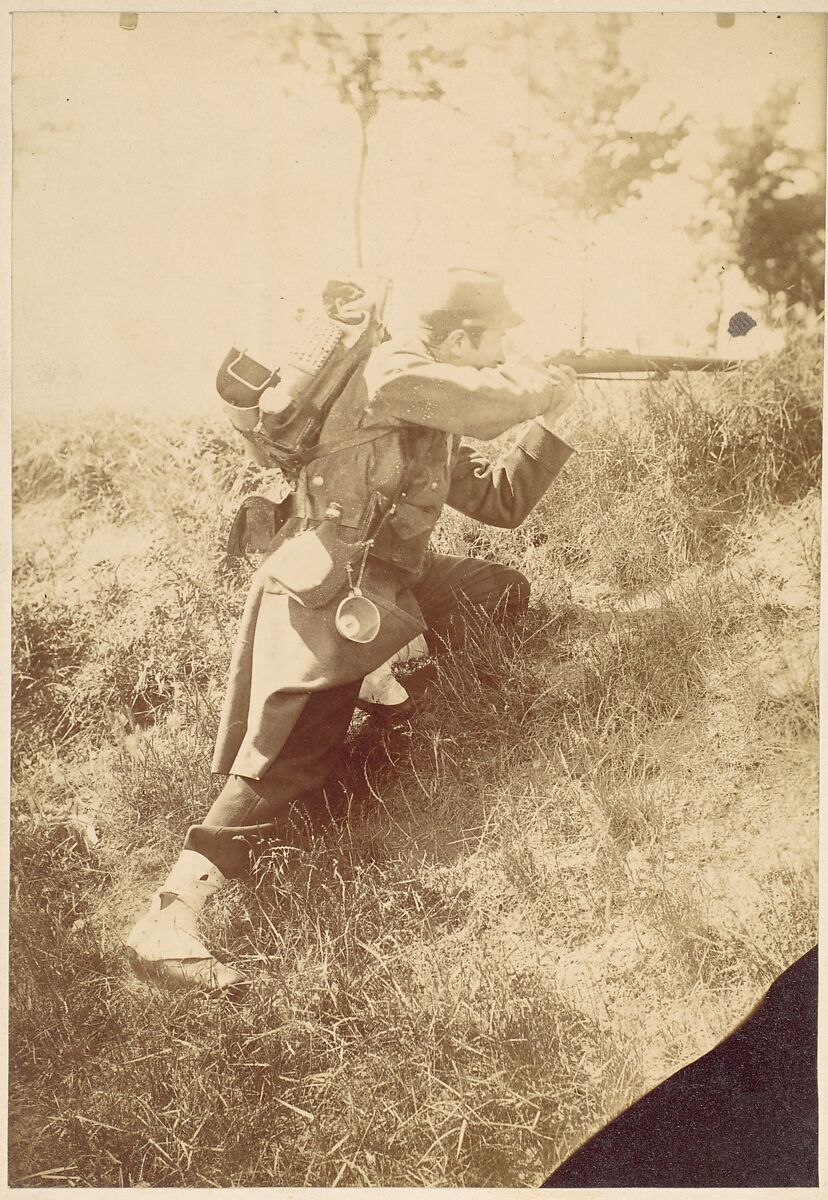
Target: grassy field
582	863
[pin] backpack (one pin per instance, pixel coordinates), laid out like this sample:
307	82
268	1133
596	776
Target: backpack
280	412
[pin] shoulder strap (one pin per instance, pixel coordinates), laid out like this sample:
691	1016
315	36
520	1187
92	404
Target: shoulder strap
360	438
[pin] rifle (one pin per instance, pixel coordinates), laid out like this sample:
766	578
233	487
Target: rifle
606	364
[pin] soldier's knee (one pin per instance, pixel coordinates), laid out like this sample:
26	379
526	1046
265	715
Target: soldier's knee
515	590
521	588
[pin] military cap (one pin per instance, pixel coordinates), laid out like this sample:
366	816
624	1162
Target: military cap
469	298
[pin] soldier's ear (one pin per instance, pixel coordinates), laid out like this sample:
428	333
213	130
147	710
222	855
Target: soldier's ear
455	343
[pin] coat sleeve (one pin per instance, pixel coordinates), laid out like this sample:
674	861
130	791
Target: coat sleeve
505	493
465	401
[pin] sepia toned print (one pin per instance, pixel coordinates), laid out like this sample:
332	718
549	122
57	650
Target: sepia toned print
416	468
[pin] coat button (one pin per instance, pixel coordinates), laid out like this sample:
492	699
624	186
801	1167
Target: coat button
317	481
434	486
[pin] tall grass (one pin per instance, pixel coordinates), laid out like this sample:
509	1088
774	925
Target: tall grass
574	871
663	486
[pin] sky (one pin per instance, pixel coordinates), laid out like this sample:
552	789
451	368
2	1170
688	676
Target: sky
175	185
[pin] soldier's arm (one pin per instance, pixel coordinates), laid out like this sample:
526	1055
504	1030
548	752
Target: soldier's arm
504	493
471	402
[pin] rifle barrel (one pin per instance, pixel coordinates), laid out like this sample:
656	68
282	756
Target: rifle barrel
625	363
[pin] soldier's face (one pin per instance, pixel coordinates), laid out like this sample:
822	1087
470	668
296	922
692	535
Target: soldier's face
488	352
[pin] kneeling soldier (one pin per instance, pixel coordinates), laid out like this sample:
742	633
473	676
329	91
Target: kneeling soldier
350	581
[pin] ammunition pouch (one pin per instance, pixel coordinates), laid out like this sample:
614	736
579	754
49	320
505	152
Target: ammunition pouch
255	525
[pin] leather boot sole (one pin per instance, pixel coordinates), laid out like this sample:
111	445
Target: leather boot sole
389	714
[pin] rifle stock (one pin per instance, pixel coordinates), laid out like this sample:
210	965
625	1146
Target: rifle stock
622	362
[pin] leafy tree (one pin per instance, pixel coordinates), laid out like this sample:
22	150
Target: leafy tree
578	149
768	200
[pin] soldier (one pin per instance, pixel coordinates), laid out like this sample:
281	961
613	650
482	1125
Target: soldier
363	517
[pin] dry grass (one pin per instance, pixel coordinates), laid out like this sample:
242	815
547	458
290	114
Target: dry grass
573	872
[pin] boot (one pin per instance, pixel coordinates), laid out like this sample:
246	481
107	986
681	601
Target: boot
382	694
164	947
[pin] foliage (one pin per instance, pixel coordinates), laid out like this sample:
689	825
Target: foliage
108	633
771	203
764	444
577	148
573	148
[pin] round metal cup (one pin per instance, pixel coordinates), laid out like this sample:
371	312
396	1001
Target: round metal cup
357	619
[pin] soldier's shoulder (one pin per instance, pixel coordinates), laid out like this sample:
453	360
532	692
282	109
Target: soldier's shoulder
395	358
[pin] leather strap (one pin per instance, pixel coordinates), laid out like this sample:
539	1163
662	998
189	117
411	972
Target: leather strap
358	439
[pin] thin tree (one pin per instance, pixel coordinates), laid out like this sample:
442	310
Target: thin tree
367	60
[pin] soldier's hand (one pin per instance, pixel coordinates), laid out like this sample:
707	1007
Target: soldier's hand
564	396
530	377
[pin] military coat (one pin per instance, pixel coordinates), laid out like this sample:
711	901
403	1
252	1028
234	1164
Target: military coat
391	457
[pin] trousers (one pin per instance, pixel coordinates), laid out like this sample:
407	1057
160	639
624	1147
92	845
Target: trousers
248	814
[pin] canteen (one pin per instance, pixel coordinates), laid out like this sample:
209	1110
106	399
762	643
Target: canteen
357	618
